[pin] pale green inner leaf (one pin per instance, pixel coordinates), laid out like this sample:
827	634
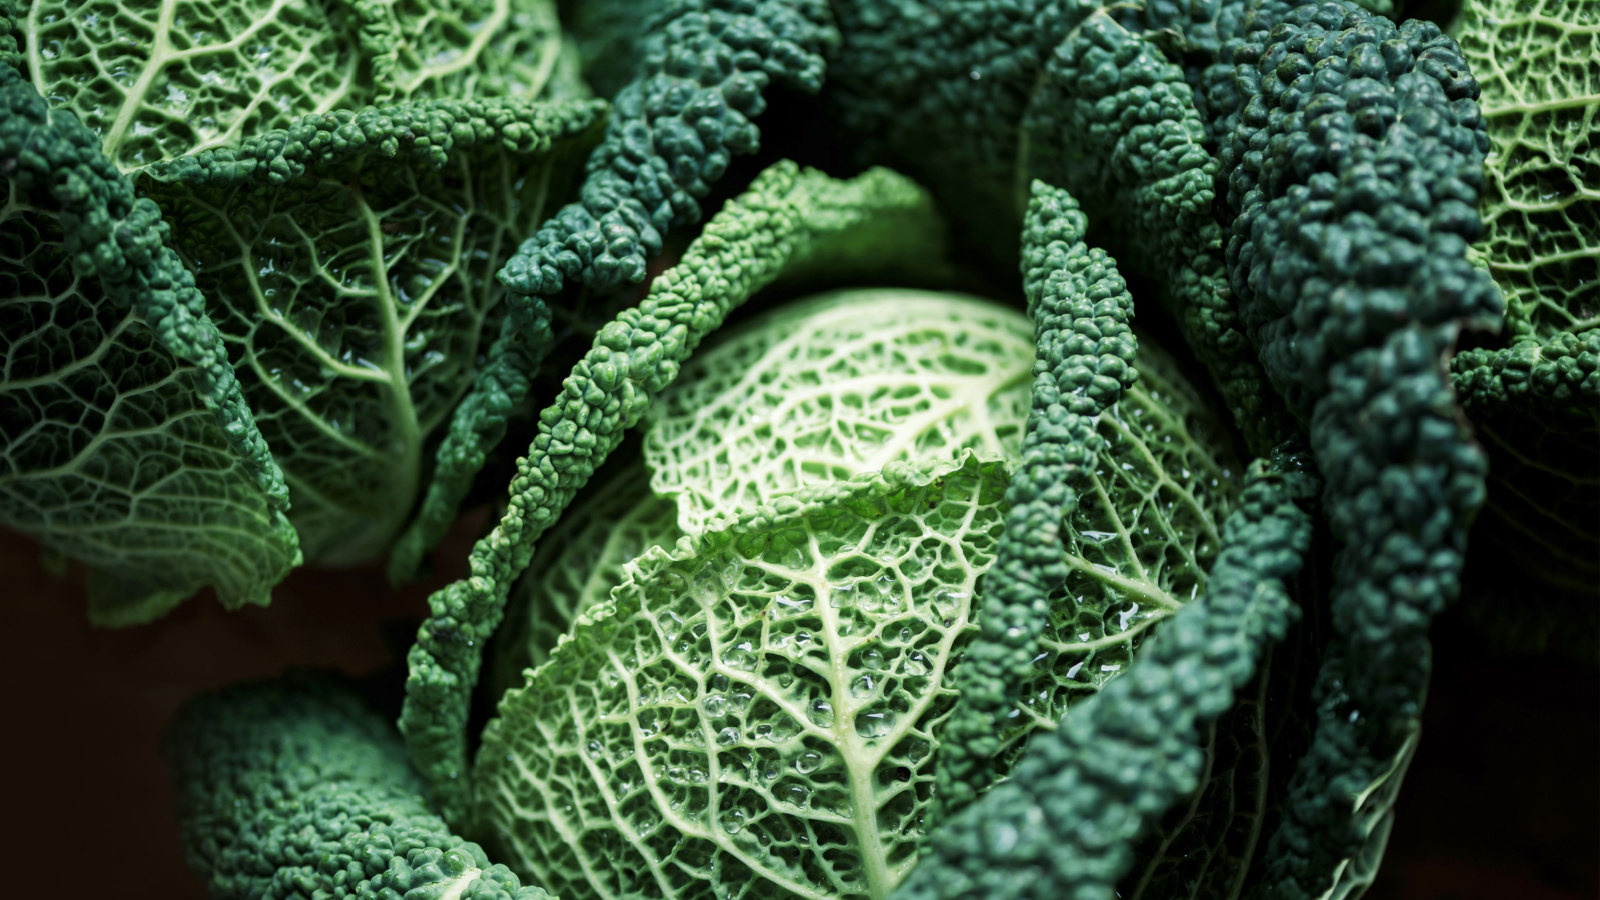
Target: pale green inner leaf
840	384
754	716
1538	64
605	776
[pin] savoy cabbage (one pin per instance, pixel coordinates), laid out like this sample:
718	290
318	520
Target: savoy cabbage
761	637
891	592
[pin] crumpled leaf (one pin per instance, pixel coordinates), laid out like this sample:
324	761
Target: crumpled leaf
754	713
350	262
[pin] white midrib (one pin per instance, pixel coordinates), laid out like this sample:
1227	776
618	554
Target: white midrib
160	48
162	54
860	762
403	412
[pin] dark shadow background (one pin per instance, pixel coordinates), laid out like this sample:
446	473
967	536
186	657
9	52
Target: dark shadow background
1502	801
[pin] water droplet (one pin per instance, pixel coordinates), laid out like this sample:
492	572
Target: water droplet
784	728
875	724
808	762
727	737
821	713
715	706
790	606
733	821
794	558
796	794
863	687
949	602
841	596
872	658
740	656
648	725
1127	616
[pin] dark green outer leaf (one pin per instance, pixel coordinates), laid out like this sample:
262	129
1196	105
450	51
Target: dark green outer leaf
1063	823
351	258
56	164
1085	348
1348	255
294	788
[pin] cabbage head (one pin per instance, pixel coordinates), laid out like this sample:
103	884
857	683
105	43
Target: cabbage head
741	646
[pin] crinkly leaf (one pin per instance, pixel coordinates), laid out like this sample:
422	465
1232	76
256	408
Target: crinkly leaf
787	217
578	566
157	81
1139	544
838	385
350	262
756	713
108	452
72	215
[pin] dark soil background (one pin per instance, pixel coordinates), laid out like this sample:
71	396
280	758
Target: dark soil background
1502	801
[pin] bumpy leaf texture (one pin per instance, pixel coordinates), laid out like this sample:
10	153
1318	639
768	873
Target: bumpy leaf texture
295	788
756	713
120	480
351	262
159	81
786	217
1139	545
111	455
979	97
1534	396
345	258
700	72
1083	364
1063	823
577	567
1348	255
